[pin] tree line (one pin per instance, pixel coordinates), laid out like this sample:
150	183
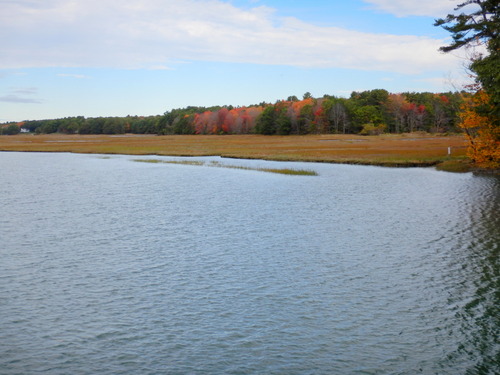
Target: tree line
82	125
367	112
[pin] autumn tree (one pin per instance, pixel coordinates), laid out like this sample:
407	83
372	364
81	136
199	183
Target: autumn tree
480	131
480	26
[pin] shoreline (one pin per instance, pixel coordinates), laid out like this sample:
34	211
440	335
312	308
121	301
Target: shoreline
387	150
410	164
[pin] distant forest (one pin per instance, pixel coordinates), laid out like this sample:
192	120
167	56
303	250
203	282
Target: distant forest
368	112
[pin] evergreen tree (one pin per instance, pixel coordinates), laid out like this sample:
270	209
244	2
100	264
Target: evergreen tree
480	26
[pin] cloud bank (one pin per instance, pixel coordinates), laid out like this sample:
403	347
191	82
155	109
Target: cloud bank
404	8
153	33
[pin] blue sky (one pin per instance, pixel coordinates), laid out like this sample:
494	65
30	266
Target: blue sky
92	58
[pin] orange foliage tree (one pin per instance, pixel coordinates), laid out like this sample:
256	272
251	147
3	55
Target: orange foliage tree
481	132
481	116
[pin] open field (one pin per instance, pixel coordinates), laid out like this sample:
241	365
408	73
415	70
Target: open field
387	150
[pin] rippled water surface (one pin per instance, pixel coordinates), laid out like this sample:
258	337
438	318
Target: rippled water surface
110	266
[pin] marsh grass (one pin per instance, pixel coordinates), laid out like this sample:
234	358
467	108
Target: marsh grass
295	172
183	162
216	164
392	150
455	166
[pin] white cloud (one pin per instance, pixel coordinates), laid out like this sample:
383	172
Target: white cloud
68	75
20	95
153	33
404	8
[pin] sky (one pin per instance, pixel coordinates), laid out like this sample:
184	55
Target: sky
92	58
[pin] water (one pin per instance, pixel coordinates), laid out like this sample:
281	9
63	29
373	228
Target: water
110	266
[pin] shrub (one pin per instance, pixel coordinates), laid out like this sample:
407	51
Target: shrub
372	129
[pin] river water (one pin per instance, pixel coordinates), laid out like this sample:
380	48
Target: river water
111	266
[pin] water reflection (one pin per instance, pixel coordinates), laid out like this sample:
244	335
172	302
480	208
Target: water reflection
475	298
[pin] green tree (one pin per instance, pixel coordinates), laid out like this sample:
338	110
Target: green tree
70	125
95	125
369	107
367	114
10	130
377	97
142	125
305	119
336	114
113	125
266	123
480	26
183	125
48	126
283	122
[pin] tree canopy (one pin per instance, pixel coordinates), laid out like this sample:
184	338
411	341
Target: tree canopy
370	112
480	26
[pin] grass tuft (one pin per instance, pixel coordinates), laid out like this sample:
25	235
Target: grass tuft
183	162
294	172
213	163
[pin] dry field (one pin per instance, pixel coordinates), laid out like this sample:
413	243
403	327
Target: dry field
390	150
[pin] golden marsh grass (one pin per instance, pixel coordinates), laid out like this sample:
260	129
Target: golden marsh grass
387	150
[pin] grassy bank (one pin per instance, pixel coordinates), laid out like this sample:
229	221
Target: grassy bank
405	150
